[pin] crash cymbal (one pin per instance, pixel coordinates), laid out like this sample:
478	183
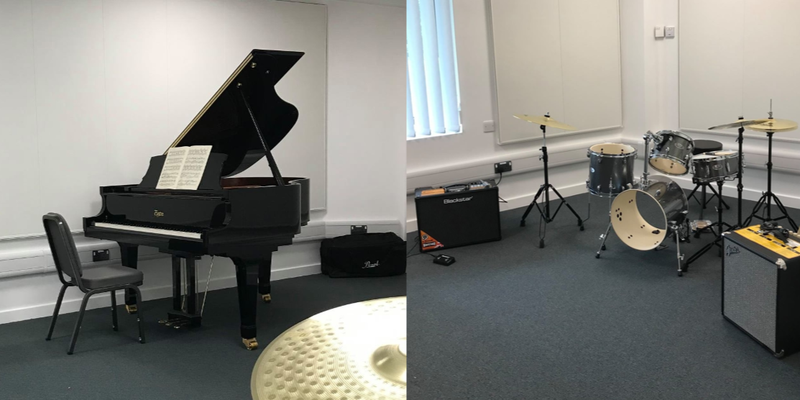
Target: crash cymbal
774	125
356	351
740	123
546	121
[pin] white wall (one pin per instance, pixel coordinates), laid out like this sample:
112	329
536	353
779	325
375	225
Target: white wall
365	168
650	100
472	154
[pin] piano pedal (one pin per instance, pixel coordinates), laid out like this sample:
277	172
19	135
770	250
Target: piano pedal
132	309
266	297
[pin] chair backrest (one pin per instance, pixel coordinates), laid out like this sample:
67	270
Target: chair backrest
65	254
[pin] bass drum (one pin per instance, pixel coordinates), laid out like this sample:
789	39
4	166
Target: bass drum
665	197
610	169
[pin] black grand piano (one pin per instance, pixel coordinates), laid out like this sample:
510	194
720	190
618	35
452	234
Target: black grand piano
244	219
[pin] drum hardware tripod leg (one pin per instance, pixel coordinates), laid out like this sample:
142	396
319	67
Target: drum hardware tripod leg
768	196
546	217
604	236
720	226
676	231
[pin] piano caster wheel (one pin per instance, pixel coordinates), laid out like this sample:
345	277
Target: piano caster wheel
131	309
250	344
266	297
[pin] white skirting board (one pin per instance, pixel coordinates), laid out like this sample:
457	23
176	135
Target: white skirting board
29	285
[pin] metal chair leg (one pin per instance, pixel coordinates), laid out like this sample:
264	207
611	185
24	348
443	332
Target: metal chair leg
55	311
78	322
114	325
139	316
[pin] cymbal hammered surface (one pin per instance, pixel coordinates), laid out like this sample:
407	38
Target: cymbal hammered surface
327	357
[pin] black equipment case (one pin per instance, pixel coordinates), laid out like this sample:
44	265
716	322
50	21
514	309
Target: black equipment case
761	289
448	218
363	255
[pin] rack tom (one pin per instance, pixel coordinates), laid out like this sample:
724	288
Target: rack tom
672	153
714	166
610	169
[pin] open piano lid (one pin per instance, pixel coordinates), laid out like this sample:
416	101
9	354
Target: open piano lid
224	122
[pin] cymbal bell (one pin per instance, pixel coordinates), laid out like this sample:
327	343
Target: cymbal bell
739	123
546	121
356	351
774	125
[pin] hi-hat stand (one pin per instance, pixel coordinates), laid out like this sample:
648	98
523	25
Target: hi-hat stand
545	216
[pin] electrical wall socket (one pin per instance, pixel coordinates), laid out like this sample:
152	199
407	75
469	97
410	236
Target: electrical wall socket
669	32
504	166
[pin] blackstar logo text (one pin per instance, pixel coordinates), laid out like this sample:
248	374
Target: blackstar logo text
458	200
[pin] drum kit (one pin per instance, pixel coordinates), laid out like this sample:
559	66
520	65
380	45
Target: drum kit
611	176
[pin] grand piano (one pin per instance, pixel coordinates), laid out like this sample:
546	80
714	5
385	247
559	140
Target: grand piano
242	218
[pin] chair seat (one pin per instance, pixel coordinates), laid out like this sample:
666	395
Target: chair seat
112	275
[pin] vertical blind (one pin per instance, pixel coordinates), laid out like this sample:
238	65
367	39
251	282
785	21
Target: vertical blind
432	80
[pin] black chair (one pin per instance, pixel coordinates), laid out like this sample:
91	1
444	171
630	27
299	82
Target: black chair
95	280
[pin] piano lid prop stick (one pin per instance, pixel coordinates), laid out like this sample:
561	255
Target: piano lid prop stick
272	165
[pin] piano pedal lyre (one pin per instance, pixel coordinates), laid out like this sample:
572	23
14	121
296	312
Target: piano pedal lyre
266	297
132	309
250	344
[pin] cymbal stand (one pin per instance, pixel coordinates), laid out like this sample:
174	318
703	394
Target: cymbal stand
647	137
739	186
720	226
546	217
767	197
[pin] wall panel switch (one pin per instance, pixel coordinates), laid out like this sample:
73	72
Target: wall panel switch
658	32
669	32
488	126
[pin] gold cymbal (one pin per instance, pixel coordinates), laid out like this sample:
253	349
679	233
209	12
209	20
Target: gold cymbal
739	123
546	121
353	351
774	125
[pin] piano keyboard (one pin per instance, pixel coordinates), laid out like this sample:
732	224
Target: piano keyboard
144	229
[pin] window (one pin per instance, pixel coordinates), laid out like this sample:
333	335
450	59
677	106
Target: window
432	98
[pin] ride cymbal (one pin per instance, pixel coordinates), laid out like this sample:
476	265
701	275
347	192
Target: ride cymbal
546	121
739	123
774	125
356	351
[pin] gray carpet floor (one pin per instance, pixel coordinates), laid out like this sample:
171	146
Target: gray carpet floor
204	363
509	320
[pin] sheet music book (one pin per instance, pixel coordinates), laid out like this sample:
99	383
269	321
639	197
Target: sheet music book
183	168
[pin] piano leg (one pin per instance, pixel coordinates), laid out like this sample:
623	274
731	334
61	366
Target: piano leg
247	272
130	257
264	272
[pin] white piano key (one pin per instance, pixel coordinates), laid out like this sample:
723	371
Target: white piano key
142	229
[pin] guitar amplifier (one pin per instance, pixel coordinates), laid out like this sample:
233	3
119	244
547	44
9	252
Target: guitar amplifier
761	289
457	215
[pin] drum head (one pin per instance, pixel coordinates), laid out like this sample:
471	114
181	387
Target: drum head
668	166
629	224
612	149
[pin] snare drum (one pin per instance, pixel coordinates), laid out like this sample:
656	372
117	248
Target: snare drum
714	166
610	169
672	152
